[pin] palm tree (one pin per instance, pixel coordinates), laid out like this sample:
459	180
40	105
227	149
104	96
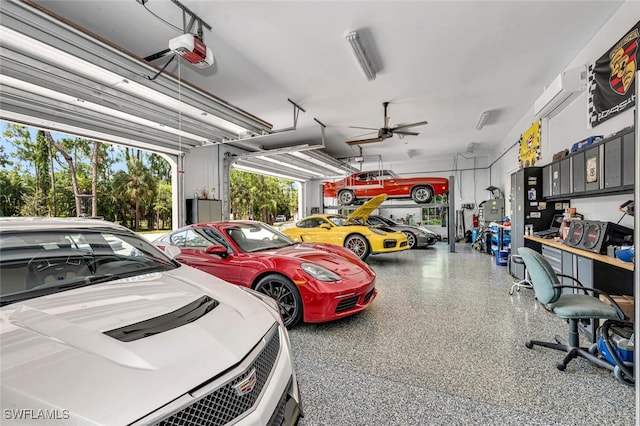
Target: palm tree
140	188
72	169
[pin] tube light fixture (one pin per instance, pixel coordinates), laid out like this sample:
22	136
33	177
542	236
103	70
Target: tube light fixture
291	166
307	157
262	171
482	119
361	56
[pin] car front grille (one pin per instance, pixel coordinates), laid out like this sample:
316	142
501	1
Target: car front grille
225	404
347	304
278	414
391	243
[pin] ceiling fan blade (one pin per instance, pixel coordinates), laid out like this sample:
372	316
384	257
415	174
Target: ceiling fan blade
362	135
363	141
404	132
404	126
366	128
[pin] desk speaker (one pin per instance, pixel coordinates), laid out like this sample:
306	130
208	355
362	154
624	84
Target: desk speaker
596	236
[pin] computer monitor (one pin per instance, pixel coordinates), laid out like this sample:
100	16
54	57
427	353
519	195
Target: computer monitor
556	221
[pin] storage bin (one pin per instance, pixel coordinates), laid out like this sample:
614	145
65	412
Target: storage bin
502	257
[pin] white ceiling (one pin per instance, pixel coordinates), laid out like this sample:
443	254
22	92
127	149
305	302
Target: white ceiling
441	61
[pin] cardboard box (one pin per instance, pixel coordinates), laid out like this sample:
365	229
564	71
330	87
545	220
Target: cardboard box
626	303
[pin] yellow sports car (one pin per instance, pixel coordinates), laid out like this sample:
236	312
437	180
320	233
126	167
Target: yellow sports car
348	232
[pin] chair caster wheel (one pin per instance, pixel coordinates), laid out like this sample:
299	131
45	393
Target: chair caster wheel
529	345
593	349
560	366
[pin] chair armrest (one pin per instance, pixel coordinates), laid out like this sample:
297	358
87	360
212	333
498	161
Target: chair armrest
574	279
597	292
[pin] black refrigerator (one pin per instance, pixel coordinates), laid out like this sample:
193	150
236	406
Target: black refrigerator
528	207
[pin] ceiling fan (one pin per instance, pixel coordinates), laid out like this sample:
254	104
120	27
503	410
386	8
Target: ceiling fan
386	132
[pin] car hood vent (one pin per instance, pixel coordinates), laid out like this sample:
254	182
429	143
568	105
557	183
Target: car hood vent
166	322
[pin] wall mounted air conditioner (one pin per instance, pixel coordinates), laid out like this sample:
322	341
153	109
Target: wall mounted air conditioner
561	92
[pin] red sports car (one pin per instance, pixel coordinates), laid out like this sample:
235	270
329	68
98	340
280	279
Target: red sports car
310	281
365	185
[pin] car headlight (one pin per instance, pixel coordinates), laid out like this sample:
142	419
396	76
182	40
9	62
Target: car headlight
377	231
319	273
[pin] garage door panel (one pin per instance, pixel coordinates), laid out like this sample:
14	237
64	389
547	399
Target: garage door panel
47	110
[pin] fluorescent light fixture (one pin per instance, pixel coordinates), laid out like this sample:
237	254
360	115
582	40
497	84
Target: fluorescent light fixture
481	120
290	166
264	172
361	56
320	163
284	150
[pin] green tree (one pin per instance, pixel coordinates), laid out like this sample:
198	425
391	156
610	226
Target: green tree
260	197
139	187
34	203
159	167
162	204
41	157
52	175
4	158
72	170
13	186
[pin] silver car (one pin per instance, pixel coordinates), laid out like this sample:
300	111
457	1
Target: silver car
416	236
98	327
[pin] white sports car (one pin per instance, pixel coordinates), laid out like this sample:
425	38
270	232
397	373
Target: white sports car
98	327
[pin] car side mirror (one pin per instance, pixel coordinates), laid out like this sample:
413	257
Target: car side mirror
325	226
217	249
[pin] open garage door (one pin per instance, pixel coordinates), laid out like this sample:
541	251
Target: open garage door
58	77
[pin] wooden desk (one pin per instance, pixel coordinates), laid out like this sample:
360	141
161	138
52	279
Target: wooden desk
613	261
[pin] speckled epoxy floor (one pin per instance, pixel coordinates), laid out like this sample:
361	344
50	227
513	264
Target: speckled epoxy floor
443	343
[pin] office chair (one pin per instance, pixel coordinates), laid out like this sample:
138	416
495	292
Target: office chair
523	283
570	306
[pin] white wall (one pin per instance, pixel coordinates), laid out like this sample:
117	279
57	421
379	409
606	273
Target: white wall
570	126
203	171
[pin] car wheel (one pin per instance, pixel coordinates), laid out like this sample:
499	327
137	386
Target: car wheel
286	294
411	239
346	197
421	194
358	244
